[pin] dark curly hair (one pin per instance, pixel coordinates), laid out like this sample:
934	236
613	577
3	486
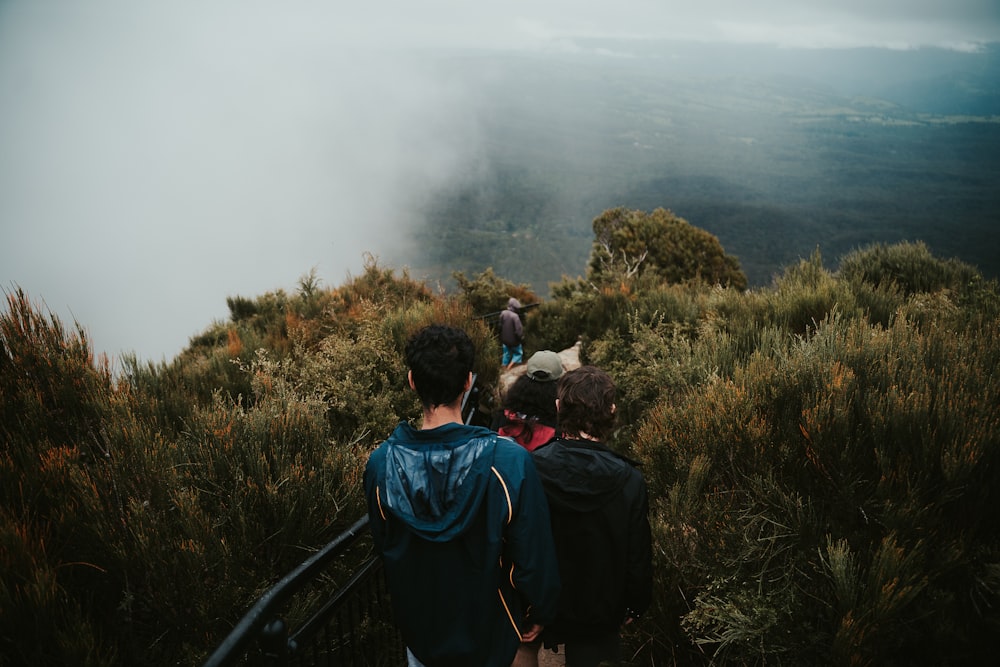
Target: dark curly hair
586	403
532	398
440	358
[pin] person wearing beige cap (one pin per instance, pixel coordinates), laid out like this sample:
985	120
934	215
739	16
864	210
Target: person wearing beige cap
529	407
544	366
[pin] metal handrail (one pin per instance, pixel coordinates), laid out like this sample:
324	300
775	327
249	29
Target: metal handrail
493	319
263	620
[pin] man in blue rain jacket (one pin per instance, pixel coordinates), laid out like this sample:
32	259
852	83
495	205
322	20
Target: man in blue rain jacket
461	521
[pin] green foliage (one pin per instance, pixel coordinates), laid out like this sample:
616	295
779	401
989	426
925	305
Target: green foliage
951	288
799	498
910	266
822	458
263	320
641	384
399	325
578	311
806	294
630	243
125	541
361	378
49	378
489	293
54	402
380	286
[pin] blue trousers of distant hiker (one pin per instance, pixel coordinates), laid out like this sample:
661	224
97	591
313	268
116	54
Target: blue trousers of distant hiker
512	354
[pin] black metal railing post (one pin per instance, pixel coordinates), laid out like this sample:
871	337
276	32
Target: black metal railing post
264	629
274	642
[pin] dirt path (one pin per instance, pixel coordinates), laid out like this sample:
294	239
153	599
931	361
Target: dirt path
547	658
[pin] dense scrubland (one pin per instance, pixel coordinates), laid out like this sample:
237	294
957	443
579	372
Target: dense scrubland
822	453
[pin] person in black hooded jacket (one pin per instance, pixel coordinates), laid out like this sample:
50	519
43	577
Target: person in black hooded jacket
599	510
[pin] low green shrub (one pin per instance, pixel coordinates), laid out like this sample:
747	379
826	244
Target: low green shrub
630	243
124	542
489	293
909	266
361	378
834	501
578	311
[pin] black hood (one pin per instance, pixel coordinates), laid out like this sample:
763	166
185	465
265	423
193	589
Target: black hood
580	475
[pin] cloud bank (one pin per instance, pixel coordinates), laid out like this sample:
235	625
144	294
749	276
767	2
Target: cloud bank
154	165
159	157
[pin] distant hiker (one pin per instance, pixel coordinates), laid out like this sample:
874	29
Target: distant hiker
599	508
511	333
461	521
529	406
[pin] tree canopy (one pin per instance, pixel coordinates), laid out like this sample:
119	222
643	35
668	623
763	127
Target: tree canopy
629	243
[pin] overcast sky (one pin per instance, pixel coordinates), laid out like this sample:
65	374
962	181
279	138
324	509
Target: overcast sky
156	158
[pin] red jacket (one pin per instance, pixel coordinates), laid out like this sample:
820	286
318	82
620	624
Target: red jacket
529	432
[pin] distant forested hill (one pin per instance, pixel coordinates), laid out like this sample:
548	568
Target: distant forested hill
775	152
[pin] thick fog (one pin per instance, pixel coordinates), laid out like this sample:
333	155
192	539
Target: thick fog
156	162
156	158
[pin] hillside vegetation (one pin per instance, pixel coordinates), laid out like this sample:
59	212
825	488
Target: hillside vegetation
822	453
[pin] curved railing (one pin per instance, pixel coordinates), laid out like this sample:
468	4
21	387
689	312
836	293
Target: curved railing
352	627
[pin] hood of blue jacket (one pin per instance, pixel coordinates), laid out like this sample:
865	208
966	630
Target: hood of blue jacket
435	479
